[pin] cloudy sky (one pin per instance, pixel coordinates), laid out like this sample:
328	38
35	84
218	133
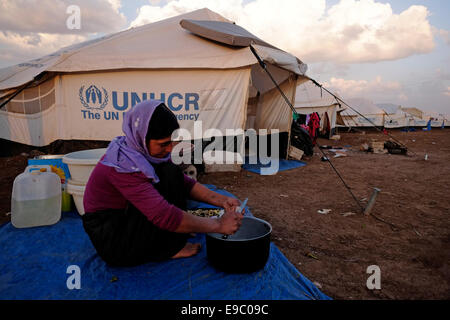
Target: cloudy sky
387	51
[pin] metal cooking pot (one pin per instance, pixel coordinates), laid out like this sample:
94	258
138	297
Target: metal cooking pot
245	251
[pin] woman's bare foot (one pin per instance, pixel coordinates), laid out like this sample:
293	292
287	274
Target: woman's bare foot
189	250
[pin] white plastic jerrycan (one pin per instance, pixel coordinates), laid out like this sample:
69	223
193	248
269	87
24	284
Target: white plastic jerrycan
36	198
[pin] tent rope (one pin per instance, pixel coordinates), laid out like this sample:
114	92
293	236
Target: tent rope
263	65
368	120
340	177
352	120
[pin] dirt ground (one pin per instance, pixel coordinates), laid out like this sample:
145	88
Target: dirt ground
407	235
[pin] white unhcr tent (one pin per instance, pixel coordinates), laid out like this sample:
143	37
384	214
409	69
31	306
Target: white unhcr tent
413	117
399	119
436	119
310	98
418	115
389	116
367	115
82	91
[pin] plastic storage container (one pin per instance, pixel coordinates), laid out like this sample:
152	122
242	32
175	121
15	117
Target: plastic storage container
66	199
36	199
56	164
38	167
53	163
81	163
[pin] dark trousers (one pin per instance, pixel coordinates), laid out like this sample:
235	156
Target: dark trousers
127	238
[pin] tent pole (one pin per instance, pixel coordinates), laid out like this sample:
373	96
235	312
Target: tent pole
38	77
15	94
291	119
263	65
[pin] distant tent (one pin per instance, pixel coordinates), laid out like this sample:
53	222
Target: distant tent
388	115
367	115
310	98
437	119
415	112
389	108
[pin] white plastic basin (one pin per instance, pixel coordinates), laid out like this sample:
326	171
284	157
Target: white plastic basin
81	163
77	192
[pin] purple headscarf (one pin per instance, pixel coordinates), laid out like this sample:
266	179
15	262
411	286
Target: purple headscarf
129	153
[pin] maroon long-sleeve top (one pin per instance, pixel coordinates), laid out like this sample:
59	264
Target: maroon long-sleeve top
109	189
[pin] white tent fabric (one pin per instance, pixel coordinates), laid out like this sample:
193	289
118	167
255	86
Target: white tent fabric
389	108
308	95
162	44
437	119
310	98
414	111
390	118
266	118
367	115
399	119
95	82
215	98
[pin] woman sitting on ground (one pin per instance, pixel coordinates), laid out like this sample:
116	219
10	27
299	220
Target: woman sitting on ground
135	199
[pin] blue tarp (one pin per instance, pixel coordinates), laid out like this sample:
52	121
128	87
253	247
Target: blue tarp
281	166
34	264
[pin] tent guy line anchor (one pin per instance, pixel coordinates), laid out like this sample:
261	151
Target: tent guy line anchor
371	201
263	65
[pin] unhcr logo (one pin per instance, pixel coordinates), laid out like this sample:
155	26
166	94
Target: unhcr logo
93	98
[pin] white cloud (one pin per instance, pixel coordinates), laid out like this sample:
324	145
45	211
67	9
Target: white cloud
322	70
350	31
49	16
31	28
17	47
403	97
445	34
364	88
151	13
447	92
442	75
115	4
154	2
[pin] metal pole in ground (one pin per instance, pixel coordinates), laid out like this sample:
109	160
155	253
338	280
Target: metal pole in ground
371	201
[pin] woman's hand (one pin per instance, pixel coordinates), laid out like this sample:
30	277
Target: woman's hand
231	221
200	193
230	204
